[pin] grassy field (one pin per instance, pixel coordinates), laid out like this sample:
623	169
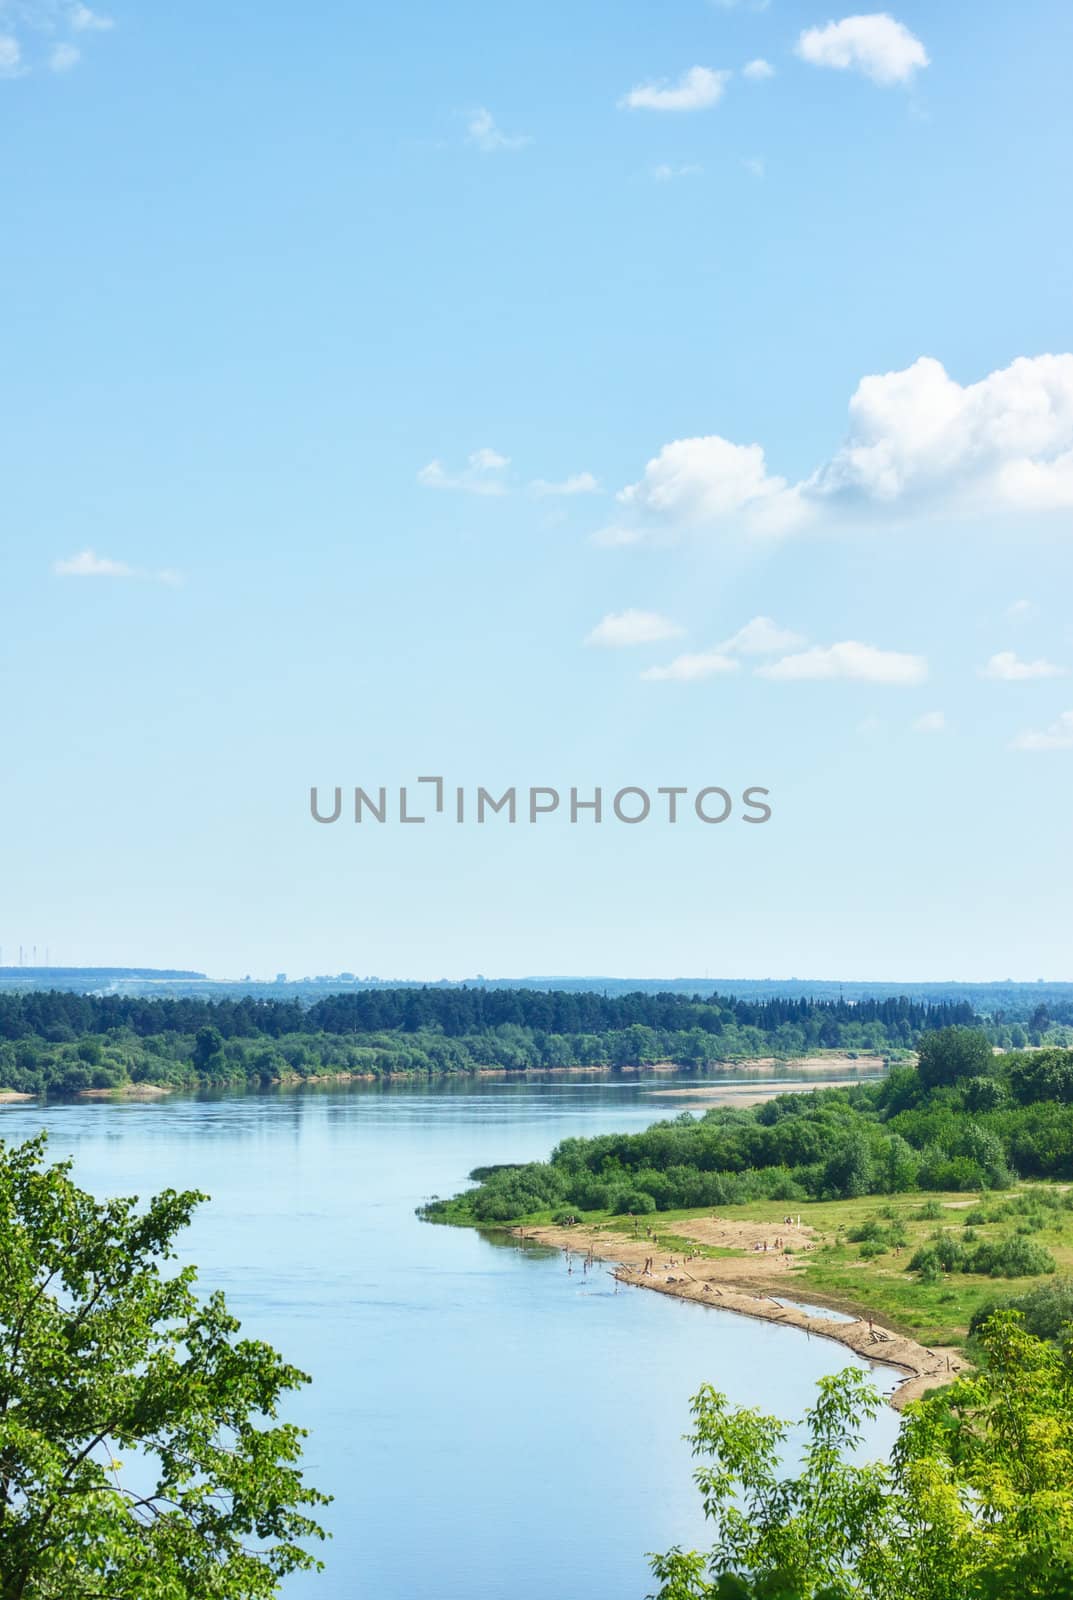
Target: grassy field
863	1276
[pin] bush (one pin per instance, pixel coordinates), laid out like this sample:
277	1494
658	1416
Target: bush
1047	1310
1015	1257
635	1200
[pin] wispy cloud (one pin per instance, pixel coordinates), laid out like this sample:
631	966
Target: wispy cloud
64	57
876	45
1058	736
849	659
665	172
483	131
1021	610
761	637
620	628
1008	667
693	668
754	166
83	20
757	70
36	33
87	564
482	474
576	483
695	90
930	722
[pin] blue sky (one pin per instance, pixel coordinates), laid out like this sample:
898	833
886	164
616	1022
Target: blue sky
443	389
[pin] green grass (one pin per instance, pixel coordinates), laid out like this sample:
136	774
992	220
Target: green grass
835	1273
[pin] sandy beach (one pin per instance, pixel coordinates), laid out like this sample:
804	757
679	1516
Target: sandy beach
754	1284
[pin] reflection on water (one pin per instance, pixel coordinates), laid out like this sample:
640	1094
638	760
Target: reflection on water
489	1424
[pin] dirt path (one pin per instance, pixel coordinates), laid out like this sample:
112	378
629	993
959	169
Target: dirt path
753	1284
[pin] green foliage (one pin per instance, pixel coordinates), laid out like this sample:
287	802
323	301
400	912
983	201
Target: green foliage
976	1503
1047	1310
140	1455
1012	1257
947	1054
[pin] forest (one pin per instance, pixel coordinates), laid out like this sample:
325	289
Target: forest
66	1042
964	1118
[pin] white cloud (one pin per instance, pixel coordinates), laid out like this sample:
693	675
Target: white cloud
761	637
616	536
705	480
862	663
1008	438
883	49
483	132
482	474
1059	736
919	442
10	56
83	20
620	628
87	564
1021	610
665	173
695	90
1009	668
692	668
930	722
576	483
64	57
754	165
758	70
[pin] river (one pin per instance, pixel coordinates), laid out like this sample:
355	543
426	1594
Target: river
489	1424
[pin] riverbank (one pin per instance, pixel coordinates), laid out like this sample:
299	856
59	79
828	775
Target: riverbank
757	1283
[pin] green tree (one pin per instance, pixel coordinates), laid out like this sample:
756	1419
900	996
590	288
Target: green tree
140	1455
976	1503
947	1054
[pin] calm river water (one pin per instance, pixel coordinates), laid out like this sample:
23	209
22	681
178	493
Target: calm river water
489	1425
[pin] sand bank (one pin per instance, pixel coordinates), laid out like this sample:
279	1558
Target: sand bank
754	1284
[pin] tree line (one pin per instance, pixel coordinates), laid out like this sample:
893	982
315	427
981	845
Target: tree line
964	1118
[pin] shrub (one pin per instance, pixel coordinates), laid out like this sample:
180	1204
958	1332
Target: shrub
635	1200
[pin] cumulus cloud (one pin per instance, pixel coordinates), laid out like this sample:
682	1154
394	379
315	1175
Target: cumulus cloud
576	483
883	49
918	441
87	564
1058	736
1009	668
620	628
849	659
10	56
483	132
482	474
692	668
918	432
758	70
930	722
710	479
695	90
